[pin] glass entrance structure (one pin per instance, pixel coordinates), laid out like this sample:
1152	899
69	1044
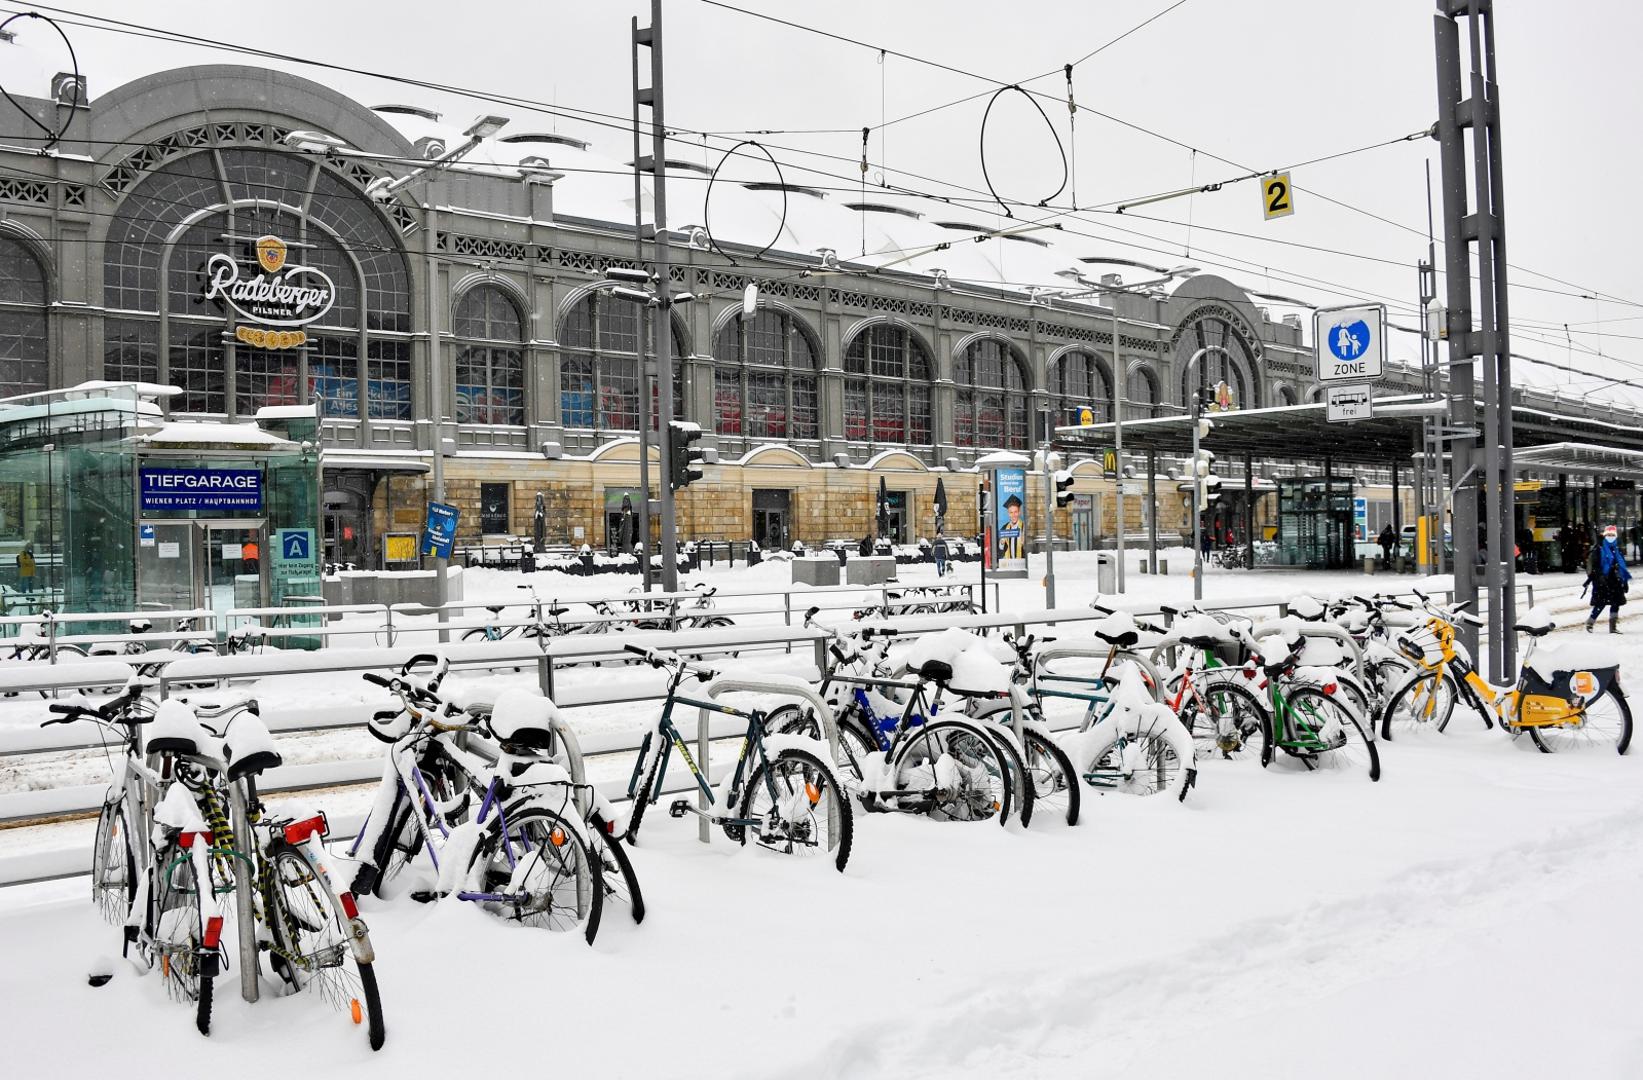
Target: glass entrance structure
105	505
1315	522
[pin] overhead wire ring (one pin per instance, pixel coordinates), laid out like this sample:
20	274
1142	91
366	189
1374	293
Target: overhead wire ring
1056	135
52	137
707	200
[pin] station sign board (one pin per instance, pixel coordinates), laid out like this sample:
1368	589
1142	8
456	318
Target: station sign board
207	490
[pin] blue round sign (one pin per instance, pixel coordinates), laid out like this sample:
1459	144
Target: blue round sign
1349	341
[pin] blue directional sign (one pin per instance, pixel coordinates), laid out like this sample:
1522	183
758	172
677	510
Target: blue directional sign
294	546
440	532
1350	343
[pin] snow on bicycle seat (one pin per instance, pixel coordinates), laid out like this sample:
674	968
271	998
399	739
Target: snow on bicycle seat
1118	629
1560	660
1536	622
1306	607
971	667
176	730
521	718
248	747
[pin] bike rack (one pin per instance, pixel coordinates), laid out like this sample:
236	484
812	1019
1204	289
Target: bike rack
1095	652
1312	630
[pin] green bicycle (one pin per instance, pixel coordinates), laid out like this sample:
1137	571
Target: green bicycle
1307	721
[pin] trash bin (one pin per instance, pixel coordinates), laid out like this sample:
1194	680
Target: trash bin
1106	573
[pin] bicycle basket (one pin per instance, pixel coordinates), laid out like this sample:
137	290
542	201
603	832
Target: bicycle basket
1421	645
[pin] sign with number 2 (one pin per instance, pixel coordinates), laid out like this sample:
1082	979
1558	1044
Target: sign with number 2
1277	197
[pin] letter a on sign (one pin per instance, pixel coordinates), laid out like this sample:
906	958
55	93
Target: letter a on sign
1277	196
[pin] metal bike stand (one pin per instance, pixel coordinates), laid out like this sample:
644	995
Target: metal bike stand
780	686
1326	631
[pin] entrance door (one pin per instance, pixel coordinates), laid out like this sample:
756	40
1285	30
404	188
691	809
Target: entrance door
166	553
1083	522
771	519
898	517
234	559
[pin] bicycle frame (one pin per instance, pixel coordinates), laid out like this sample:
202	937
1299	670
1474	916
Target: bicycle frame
672	739
1508	703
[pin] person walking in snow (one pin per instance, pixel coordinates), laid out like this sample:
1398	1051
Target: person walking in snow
1608	578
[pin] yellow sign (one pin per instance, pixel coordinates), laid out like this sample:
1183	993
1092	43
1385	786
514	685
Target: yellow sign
271	253
1277	196
258	338
1086	416
399	548
1109	464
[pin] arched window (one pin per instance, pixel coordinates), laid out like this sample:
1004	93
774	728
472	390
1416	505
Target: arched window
22	320
764	381
990	405
490	364
889	401
1228	361
1078	381
1141	395
152	280
599	365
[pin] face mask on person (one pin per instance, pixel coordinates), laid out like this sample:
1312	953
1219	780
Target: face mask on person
1611	534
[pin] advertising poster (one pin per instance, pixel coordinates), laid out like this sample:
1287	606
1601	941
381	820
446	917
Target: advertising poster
1009	542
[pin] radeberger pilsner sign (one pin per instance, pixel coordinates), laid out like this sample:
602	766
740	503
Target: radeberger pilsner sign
280	298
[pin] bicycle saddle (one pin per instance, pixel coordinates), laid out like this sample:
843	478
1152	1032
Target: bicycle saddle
176	730
936	671
1534	629
495	609
248	747
521	718
555	611
1118	629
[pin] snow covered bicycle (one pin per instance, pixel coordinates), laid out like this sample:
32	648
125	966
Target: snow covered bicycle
1564	698
782	794
524	855
1308	721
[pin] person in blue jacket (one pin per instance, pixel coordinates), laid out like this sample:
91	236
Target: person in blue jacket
1608	578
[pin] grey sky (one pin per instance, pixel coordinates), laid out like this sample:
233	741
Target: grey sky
1261	82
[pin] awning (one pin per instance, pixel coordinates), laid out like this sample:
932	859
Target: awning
341	459
1582	458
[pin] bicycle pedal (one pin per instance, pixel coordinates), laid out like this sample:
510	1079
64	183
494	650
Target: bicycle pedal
678	808
424	896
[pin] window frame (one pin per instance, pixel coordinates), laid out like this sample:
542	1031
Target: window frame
485	348
734	375
971	392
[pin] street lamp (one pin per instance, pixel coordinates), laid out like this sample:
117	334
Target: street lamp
1094	288
640	287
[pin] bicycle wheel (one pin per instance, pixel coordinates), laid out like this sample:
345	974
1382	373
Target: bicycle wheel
1056	790
800	805
616	870
1019	790
1606	722
959	773
1139	755
396	846
1324	731
541	874
1423	703
854	741
312	939
178	934
1224	719
113	863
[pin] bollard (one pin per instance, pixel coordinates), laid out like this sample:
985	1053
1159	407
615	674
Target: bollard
703	832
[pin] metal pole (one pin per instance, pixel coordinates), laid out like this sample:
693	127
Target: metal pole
436	376
1197	522
1152	517
1249	509
1049	520
644	367
1118	438
664	321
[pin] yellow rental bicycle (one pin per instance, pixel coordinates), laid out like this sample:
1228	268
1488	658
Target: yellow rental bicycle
1564	698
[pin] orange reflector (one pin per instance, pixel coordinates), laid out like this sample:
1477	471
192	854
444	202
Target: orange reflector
356	1011
995	805
165	965
557	837
813	792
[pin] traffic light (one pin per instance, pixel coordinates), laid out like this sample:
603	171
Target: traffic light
684	460
1203	475
1063	488
1206	399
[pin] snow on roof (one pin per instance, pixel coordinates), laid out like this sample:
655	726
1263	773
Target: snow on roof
241	436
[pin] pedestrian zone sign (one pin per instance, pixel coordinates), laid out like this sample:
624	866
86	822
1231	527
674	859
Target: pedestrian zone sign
1350	343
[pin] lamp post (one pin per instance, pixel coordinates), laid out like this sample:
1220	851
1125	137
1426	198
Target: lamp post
1097	288
651	291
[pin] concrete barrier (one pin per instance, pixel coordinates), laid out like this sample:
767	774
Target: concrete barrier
388	587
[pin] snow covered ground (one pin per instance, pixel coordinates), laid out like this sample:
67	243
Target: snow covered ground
1473	914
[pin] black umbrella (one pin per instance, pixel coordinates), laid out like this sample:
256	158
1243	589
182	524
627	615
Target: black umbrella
940	506
884	508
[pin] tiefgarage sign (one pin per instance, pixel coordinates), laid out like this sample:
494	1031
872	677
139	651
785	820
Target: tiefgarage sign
282	296
202	489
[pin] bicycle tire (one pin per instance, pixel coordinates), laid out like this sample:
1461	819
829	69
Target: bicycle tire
1321	709
624	886
396	846
820	784
972	804
113	890
1418	706
310	938
1561	739
1055	781
1020	792
1137	756
177	929
556	852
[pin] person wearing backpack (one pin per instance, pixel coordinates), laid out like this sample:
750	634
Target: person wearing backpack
1608	578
